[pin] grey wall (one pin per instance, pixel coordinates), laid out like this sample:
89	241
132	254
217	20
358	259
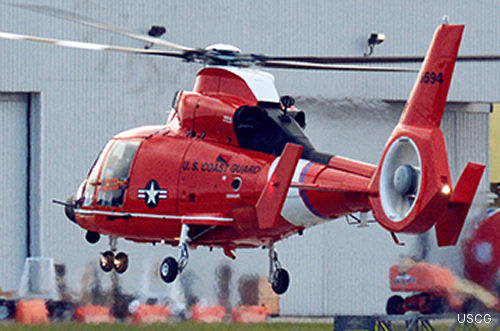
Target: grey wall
84	98
14	150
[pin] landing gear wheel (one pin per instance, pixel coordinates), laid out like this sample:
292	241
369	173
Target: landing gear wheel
280	281
107	261
394	305
433	305
120	262
169	269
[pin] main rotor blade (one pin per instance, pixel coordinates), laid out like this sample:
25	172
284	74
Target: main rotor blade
89	46
62	14
468	58
314	66
370	59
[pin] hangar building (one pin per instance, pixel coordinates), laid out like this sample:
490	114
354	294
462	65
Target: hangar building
58	107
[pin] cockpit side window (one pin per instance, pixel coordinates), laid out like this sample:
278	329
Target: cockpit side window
255	130
268	128
115	173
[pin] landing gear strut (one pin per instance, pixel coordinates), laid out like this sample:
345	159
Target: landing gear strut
110	261
170	268
278	277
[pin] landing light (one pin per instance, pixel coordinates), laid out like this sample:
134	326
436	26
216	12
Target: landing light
446	189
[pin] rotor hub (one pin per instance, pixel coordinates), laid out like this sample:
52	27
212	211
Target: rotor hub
404	179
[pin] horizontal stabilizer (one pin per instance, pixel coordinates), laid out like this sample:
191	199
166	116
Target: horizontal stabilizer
449	226
273	196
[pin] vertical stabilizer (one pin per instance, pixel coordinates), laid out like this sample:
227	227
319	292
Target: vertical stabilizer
411	188
425	106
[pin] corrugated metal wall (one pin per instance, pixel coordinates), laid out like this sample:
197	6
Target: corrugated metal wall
13	190
495	144
87	97
344	269
289	28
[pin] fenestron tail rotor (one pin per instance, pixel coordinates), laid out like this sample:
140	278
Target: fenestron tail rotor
400	179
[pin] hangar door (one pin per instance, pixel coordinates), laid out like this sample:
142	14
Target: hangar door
14	171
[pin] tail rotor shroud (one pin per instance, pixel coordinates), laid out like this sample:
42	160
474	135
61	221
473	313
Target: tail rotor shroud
400	179
412	183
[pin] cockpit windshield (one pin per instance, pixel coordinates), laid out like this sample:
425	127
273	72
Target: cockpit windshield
115	173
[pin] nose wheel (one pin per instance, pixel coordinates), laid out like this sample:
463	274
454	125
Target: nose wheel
170	268
106	261
278	276
110	261
120	262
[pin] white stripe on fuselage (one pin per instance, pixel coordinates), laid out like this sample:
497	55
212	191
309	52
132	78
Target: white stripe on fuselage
294	210
156	216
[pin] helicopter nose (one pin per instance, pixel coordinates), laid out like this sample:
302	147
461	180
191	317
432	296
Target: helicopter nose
69	208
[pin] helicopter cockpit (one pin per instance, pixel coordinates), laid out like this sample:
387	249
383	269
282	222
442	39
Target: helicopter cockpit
268	127
110	173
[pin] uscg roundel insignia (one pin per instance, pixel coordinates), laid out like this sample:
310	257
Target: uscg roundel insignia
152	193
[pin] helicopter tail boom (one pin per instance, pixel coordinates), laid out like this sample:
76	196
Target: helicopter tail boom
412	187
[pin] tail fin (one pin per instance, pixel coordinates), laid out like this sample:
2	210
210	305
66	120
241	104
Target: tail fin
425	106
449	226
412	183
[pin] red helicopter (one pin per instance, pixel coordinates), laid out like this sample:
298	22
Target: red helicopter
232	168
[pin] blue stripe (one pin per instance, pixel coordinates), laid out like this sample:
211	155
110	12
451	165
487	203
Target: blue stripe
303	193
303	174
